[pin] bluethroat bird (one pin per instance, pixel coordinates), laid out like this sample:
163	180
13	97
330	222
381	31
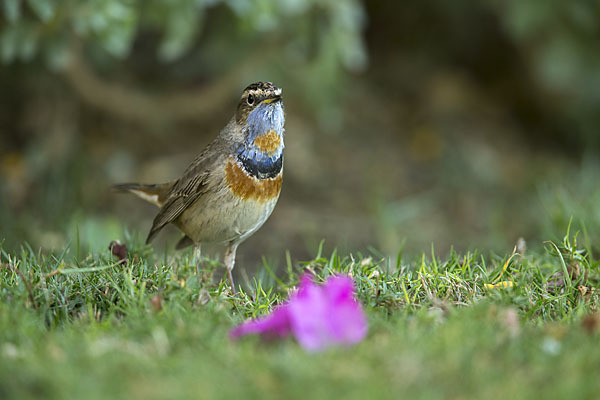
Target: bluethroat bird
231	188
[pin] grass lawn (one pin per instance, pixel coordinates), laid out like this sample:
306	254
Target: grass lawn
520	325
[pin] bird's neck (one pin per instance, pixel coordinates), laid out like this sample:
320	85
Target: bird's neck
261	168
261	155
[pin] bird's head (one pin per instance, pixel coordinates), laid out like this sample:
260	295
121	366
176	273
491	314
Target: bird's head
259	101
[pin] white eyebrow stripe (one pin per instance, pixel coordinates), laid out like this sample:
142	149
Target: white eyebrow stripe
261	92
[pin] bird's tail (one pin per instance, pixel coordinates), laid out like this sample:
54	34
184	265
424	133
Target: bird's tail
155	194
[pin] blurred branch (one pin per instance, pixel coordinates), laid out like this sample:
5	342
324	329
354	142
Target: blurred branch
133	104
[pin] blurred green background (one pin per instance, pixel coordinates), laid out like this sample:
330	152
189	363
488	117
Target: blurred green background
458	123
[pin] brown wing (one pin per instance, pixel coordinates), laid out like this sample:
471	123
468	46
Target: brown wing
189	188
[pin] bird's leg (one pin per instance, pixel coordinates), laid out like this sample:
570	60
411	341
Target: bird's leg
229	259
198	258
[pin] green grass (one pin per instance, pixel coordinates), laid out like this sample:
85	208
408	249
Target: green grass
154	328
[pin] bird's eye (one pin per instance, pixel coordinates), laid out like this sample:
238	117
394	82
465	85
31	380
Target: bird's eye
250	99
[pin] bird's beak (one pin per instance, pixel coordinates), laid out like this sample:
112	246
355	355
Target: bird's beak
272	99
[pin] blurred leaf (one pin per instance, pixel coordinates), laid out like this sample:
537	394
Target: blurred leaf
9	43
18	42
12	9
559	65
116	27
350	20
321	38
117	40
56	53
44	9
181	26
28	44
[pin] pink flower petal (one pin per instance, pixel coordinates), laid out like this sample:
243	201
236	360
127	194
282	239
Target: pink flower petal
323	316
348	322
307	310
274	325
318	316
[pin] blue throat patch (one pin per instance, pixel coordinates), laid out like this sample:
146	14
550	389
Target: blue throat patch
262	169
264	118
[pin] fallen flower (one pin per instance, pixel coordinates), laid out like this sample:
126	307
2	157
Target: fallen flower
119	250
317	316
502	284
